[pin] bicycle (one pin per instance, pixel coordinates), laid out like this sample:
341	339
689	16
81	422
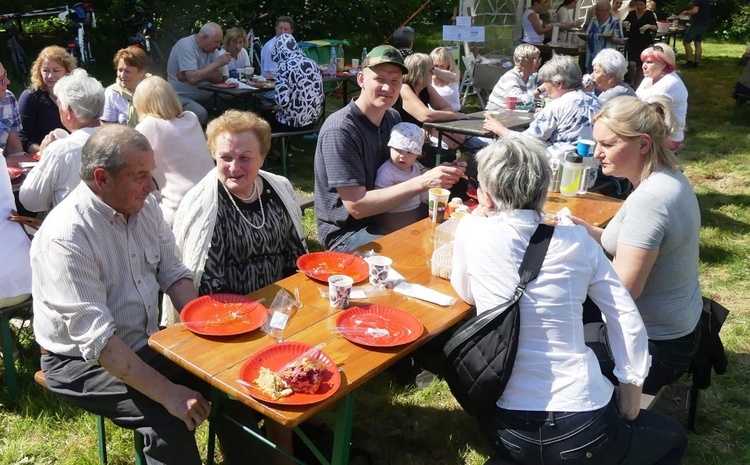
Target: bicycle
142	37
81	15
19	68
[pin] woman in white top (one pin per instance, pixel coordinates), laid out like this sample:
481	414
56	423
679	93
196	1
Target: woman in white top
533	29
445	76
235	43
180	150
131	64
513	83
557	408
660	78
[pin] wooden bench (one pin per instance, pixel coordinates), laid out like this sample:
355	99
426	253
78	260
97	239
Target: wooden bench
22	309
140	458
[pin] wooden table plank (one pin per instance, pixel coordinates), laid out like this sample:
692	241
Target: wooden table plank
512	119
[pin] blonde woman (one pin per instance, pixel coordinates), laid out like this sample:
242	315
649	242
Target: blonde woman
131	64
513	83
180	150
654	237
38	104
235	44
445	76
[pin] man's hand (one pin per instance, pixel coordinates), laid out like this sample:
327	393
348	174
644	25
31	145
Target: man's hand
187	405
181	76
445	176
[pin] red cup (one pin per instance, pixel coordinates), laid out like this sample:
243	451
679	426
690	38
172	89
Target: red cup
511	102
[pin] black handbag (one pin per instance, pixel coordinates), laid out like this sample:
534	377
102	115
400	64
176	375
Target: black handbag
479	356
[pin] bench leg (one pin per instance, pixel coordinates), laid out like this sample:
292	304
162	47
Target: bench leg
140	457
284	154
692	406
101	433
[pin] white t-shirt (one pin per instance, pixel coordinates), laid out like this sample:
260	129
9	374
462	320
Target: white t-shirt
672	87
450	93
181	156
15	274
242	61
56	174
266	62
388	175
530	36
115	107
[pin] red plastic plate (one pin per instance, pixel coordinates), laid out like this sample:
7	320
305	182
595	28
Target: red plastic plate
223	315
322	265
379	326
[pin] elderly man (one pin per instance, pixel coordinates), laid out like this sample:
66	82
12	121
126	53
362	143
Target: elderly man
284	25
98	263
194	60
10	119
352	145
403	40
80	100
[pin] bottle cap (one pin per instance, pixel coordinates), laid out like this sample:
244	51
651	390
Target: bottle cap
573	158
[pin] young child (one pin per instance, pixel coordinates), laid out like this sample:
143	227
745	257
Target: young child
406	146
445	76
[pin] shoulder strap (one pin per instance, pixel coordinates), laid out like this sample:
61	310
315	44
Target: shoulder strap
535	253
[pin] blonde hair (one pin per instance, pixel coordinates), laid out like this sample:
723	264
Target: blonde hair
155	97
236	122
525	52
132	56
54	53
235	33
420	69
629	118
443	55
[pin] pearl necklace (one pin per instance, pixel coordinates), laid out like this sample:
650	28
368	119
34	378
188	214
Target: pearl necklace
256	190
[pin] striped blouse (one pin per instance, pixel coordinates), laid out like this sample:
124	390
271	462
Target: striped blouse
96	274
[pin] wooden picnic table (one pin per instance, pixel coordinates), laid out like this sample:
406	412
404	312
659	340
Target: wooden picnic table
218	360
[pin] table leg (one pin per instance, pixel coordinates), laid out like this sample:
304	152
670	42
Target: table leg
212	417
439	148
343	431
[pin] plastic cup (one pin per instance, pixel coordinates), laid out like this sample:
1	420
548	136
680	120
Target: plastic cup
355	63
585	147
379	268
437	201
249	71
60	133
339	290
511	102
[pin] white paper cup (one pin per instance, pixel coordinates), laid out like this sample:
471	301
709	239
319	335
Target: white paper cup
355	63
379	268
249	71
339	290
437	201
60	133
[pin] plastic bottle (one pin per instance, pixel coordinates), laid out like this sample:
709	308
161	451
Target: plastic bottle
340	62
364	57
332	63
530	88
590	165
571	175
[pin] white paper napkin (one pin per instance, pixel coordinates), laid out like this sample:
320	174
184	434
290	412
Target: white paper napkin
424	293
240	84
563	217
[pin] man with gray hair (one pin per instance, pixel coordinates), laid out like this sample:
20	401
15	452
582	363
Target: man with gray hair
403	40
195	60
98	263
80	101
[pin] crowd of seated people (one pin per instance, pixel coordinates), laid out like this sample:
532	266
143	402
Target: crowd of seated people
142	154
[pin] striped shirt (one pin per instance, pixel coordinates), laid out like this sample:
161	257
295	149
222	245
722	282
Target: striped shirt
96	274
10	119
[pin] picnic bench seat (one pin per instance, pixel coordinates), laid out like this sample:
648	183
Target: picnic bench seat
305	201
140	458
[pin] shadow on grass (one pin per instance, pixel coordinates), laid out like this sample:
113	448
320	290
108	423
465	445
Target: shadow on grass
711	216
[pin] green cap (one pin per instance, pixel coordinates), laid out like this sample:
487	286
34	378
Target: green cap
385	54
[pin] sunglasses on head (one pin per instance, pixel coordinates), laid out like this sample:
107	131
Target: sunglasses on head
657	48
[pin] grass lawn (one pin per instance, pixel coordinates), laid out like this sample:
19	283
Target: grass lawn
409	426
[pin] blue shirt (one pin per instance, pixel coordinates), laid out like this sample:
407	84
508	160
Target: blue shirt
10	119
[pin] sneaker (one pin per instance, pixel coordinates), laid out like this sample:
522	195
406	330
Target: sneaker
688	64
695	64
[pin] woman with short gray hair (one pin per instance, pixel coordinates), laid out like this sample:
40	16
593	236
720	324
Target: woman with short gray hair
554	370
81	101
567	117
609	74
513	83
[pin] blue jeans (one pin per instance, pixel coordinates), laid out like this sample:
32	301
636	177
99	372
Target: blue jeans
357	239
600	436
